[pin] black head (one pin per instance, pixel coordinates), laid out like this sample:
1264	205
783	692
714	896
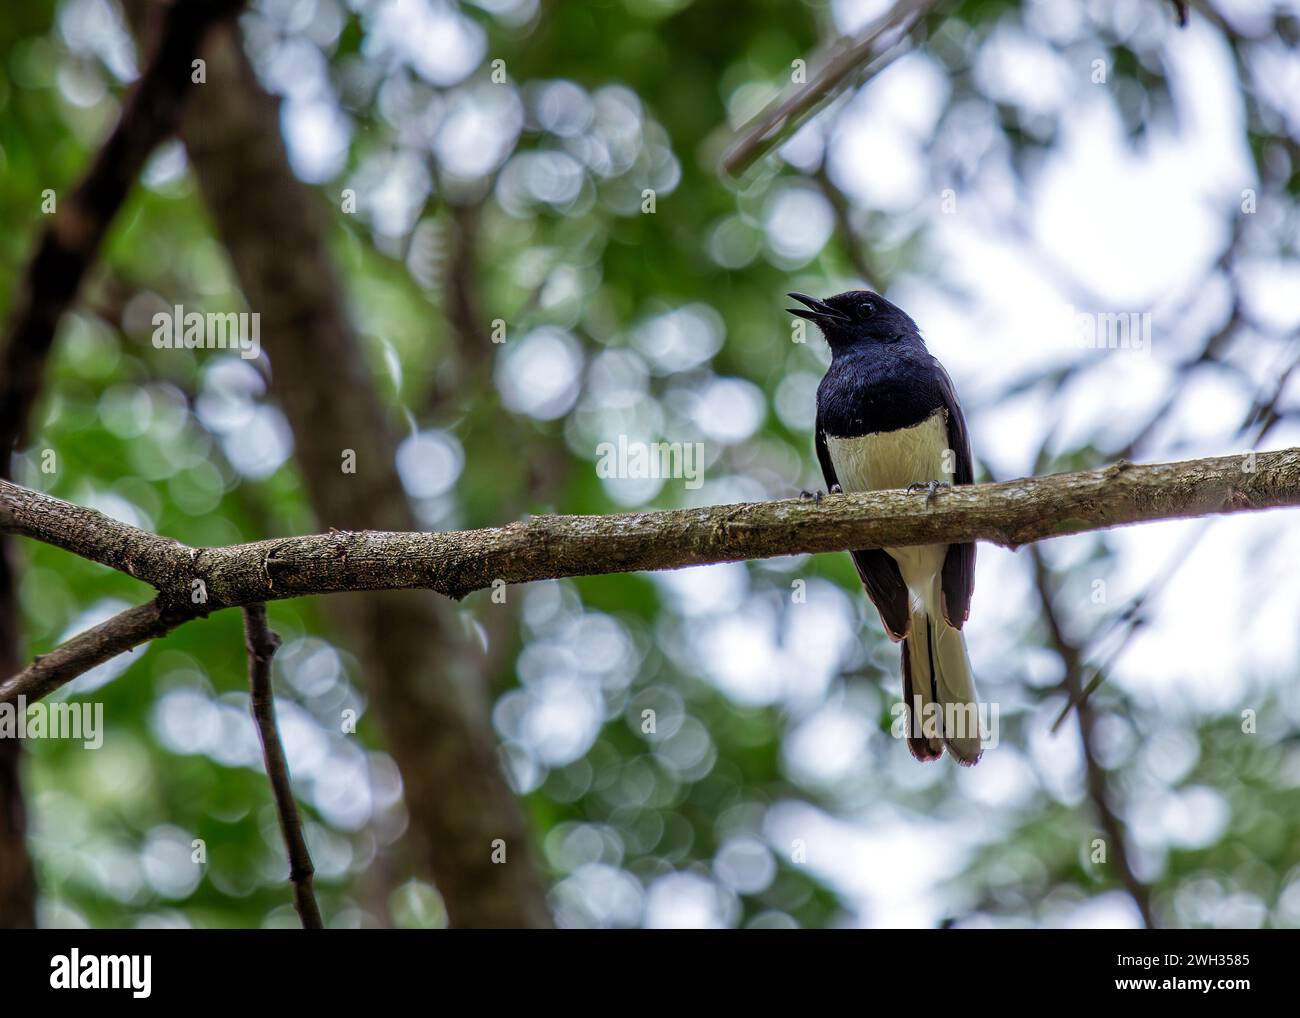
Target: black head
855	318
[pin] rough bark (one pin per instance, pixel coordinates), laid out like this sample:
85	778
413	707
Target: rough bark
455	563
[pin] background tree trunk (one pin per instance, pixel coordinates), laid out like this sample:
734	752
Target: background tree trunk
418	667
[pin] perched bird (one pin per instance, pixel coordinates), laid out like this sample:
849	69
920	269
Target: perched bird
888	417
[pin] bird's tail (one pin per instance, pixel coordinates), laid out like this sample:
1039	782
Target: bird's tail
936	670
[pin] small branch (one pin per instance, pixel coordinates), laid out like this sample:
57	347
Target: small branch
456	563
784	115
262	644
854	247
1098	781
84	651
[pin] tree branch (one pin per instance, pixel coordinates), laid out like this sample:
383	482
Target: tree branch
854	247
1098	781
93	647
262	644
195	581
90	534
784	115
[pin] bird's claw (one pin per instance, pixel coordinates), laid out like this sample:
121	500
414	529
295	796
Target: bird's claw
817	496
929	487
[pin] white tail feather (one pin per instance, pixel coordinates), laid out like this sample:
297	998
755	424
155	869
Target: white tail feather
956	690
941	672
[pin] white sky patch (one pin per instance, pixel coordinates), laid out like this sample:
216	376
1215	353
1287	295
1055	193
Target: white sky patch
758	654
433	38
479	130
1113	910
260	447
827	746
852	16
391	189
688	901
729	410
798	221
680	339
1130	227
1269	288
317	134
429	463
1015	67
702	589
538	374
885	866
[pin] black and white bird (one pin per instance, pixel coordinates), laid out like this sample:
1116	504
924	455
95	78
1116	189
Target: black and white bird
888	417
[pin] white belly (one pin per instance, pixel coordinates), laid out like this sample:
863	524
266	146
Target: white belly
895	459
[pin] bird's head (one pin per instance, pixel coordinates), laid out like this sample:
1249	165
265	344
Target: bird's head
855	318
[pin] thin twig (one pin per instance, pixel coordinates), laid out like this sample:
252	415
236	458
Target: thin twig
1097	779
87	649
1131	617
854	247
262	644
878	44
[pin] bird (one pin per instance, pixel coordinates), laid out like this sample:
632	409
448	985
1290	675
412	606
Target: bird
888	417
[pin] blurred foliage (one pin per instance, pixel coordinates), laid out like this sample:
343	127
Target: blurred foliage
662	327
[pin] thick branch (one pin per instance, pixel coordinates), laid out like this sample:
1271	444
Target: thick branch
262	644
193	582
90	534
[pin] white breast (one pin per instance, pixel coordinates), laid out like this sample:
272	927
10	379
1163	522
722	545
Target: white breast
894	459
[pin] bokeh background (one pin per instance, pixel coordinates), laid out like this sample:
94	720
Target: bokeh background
1018	165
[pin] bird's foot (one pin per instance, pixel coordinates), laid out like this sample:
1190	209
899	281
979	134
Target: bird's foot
817	496
929	487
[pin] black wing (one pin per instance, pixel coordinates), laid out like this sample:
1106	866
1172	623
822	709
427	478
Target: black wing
879	572
959	566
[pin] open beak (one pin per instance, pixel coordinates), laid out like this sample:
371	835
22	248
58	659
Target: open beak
818	310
